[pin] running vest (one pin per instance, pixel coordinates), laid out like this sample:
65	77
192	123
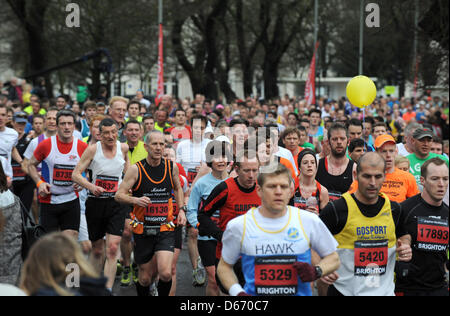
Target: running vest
107	173
367	252
268	257
57	170
336	185
237	204
300	201
155	183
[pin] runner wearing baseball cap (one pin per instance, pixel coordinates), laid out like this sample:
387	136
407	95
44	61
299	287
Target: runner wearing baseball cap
422	139
398	184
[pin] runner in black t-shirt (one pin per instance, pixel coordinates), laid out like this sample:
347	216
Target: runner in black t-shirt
23	186
427	223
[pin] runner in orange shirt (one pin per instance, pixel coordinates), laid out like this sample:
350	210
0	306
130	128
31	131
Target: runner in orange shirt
398	185
409	114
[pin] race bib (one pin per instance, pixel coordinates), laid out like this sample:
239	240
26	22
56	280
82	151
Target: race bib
432	234
192	173
62	175
18	173
275	276
156	213
110	184
334	195
371	257
299	202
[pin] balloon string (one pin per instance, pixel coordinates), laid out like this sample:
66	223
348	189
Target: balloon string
364	120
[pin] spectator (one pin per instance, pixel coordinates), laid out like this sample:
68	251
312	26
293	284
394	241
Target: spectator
102	95
26	92
82	93
40	89
14	91
49	267
10	233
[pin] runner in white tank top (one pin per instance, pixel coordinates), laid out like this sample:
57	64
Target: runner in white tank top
107	160
106	172
59	154
275	242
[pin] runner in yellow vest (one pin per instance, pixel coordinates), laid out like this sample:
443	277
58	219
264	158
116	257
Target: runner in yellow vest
370	231
133	131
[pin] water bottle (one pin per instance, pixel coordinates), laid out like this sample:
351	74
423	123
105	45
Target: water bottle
311	203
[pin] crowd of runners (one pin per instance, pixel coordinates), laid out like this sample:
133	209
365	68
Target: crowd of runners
270	197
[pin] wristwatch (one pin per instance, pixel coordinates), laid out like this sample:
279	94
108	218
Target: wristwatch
318	272
184	208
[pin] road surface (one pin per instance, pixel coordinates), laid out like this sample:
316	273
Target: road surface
184	279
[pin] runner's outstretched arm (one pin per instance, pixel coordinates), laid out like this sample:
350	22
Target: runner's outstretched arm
122	195
81	167
226	275
214	202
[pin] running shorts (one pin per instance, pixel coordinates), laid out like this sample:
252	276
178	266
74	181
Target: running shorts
146	246
207	252
64	216
179	237
104	216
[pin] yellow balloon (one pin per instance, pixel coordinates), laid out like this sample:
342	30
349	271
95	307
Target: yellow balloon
361	91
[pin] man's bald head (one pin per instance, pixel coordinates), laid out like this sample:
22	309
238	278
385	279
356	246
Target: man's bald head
370	160
370	173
